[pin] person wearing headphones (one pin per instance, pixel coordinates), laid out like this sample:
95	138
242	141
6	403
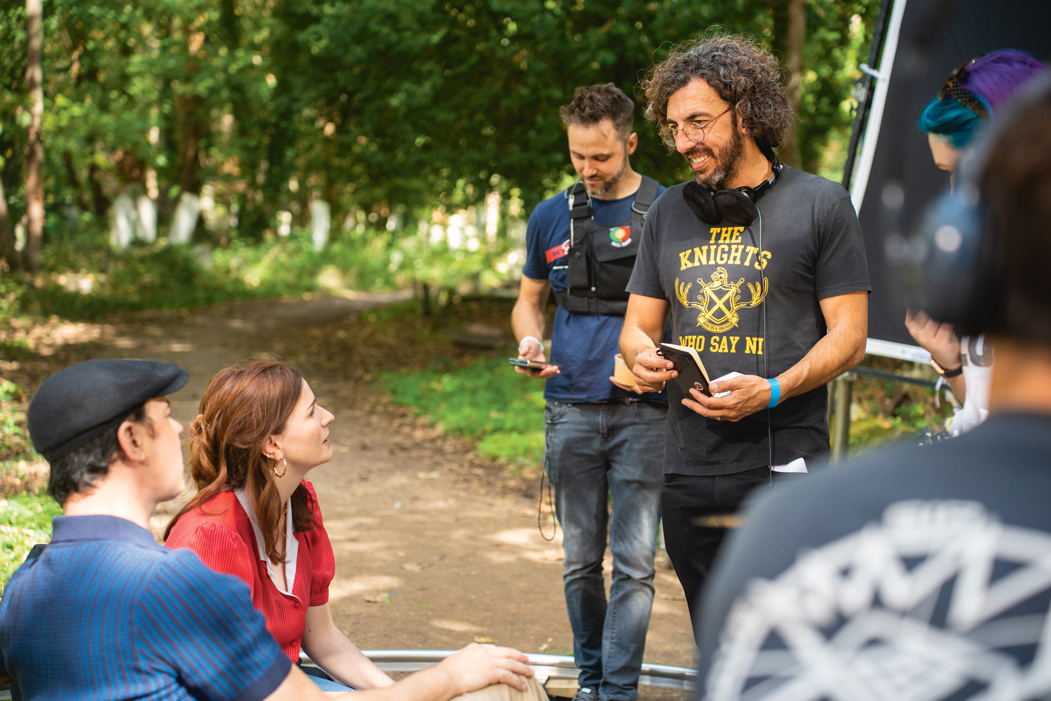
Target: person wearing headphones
920	572
972	95
763	269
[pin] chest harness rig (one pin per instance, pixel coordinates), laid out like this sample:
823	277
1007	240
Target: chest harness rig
600	258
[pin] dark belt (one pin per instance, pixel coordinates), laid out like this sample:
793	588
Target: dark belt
621	400
590	305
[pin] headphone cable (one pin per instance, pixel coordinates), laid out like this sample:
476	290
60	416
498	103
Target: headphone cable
766	357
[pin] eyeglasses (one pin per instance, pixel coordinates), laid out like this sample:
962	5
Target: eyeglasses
696	132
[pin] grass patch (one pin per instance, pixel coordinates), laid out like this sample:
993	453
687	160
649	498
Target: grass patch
483	400
25	520
14	437
15	350
94	283
503	412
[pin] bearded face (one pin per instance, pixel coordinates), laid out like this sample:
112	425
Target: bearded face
600	184
599	154
719	161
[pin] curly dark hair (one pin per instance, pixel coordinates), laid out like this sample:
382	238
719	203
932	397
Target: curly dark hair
740	71
593	103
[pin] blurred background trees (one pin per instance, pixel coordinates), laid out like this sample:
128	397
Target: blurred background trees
238	125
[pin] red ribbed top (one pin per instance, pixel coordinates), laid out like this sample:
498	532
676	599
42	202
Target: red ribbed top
223	537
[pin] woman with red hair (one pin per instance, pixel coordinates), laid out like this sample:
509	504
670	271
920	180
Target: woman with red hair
260	431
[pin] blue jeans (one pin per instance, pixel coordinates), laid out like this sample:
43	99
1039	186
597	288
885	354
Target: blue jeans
594	452
322	680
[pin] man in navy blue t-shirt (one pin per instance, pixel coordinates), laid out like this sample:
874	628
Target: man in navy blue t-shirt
603	439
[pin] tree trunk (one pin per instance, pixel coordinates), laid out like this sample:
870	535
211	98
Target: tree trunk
35	148
7	241
188	109
191	131
99	202
789	40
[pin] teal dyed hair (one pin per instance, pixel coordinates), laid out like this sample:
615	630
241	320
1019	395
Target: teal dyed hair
952	120
992	79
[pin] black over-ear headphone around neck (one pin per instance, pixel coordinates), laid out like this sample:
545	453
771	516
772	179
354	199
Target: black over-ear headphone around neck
738	205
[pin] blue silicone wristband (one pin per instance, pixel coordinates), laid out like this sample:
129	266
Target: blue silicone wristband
775	392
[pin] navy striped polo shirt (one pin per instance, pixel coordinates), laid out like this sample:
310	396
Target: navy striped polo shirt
107	613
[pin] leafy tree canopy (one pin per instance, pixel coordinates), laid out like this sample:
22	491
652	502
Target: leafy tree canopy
367	104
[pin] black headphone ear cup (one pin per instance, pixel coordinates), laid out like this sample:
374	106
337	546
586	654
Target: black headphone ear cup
736	206
701	202
953	265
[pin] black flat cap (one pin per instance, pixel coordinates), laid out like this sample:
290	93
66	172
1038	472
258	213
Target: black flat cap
76	405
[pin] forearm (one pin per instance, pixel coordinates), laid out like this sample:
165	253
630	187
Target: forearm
474	667
837	352
633	340
434	684
337	655
527	319
958	386
643	326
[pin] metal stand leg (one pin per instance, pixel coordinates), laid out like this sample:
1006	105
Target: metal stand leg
844	389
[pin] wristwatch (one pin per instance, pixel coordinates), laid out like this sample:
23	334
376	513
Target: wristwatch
946	373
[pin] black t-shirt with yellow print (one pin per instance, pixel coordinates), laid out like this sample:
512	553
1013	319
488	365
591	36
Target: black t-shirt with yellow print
718	278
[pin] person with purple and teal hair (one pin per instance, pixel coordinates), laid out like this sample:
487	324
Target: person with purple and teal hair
974	93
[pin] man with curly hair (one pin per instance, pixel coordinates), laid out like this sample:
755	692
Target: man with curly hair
763	269
924	574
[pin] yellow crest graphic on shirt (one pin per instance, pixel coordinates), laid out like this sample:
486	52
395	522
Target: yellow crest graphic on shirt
718	300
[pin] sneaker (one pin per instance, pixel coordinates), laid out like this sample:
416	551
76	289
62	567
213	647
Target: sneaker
585	693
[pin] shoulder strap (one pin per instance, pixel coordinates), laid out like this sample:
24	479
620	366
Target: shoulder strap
579	201
579	208
644	197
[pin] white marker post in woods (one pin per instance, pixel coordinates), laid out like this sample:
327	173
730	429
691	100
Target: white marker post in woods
123	225
146	228
185	220
320	222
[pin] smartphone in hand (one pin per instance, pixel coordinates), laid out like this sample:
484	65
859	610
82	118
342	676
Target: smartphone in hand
533	364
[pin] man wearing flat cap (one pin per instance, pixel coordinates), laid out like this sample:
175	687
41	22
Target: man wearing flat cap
104	612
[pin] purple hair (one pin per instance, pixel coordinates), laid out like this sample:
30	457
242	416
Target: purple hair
998	76
993	80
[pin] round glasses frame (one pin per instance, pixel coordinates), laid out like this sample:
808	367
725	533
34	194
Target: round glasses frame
696	132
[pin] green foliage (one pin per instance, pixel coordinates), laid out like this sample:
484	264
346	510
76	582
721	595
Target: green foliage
885	412
181	277
25	520
484	400
375	106
518	447
870	431
839	35
14	440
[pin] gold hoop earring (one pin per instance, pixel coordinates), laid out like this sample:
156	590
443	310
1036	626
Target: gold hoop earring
274	468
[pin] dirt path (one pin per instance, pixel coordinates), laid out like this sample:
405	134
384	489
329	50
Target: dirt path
418	523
